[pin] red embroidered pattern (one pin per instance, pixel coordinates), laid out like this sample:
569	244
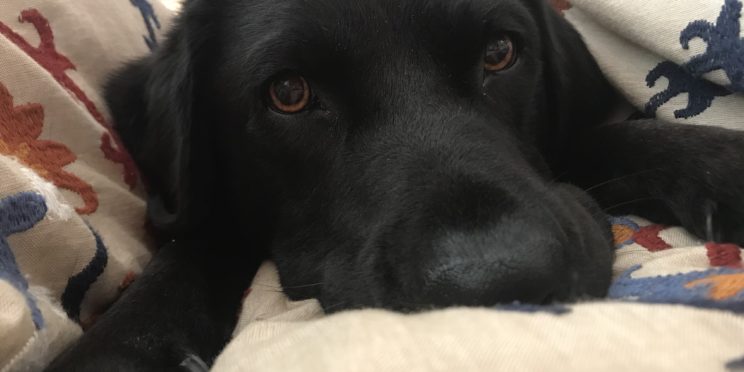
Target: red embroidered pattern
724	255
57	65
127	281
20	128
560	5
648	237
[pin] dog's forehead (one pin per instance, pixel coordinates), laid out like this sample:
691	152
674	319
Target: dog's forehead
368	20
271	35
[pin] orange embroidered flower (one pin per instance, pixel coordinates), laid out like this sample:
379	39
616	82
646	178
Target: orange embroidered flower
622	234
47	56
20	128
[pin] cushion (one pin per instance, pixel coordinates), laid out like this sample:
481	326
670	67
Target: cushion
675	305
71	202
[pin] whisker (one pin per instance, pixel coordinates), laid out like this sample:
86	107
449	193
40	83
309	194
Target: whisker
273	290
607	210
264	285
554	219
336	305
620	179
305	285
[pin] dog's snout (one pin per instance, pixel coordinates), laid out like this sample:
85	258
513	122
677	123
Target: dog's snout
477	242
469	220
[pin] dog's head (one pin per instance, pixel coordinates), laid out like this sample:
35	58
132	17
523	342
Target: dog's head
388	153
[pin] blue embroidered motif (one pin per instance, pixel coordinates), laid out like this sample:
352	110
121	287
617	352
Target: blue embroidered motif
735	365
19	213
151	22
555	309
672	290
701	92
725	52
78	285
725	49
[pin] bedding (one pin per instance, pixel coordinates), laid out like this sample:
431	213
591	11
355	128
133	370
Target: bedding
72	230
73	236
682	61
675	305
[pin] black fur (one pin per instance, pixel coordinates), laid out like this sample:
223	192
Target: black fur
416	180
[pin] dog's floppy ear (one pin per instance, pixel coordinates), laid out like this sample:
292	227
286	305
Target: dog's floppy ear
152	102
578	92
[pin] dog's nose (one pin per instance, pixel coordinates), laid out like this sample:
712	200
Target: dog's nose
477	244
511	261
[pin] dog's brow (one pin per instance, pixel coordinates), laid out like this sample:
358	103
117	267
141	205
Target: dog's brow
358	37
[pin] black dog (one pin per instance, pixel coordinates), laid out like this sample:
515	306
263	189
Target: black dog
404	154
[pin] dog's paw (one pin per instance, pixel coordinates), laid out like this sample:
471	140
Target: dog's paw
123	363
723	220
707	195
101	362
87	358
716	219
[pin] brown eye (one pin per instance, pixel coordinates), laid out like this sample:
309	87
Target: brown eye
500	54
289	93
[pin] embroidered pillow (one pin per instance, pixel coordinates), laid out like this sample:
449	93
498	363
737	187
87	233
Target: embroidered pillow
71	201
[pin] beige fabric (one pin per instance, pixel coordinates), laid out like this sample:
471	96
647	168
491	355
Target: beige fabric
35	253
629	38
279	335
275	334
16	321
85	40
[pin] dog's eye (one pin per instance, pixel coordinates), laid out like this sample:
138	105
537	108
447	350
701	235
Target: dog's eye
289	93
500	54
